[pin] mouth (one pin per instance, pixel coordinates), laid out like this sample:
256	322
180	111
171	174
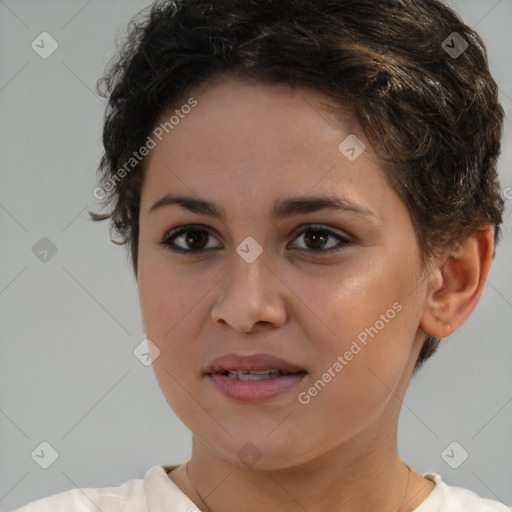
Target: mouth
252	367
253	378
247	375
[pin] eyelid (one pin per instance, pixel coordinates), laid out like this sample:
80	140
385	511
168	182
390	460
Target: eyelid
322	227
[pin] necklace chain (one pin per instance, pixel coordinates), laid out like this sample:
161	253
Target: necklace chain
208	508
194	487
406	488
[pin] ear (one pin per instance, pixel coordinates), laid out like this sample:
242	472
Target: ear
456	283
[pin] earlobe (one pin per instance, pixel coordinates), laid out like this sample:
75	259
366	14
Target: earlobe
456	284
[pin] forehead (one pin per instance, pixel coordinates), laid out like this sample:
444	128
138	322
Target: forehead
248	142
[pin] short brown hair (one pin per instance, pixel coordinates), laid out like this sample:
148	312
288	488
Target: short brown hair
432	116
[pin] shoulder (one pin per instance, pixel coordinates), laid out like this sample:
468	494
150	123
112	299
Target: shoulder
127	497
454	499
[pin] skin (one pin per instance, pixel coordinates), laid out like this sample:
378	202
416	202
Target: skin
246	146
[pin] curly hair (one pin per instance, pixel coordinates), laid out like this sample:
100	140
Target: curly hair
432	116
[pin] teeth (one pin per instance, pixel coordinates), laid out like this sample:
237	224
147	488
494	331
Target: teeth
254	374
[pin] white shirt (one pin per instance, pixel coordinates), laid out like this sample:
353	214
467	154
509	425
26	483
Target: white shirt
156	492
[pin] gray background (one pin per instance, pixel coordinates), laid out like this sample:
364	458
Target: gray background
69	325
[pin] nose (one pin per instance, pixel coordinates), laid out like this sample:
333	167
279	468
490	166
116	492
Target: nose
250	297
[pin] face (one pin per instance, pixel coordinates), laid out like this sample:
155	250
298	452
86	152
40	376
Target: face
337	292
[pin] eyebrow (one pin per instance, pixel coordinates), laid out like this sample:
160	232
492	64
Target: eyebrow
284	208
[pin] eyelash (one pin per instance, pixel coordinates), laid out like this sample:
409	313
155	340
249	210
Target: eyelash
317	228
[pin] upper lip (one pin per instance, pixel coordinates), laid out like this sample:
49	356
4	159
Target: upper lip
245	362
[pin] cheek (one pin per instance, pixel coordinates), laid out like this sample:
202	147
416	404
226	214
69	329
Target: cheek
347	301
167	301
167	294
367	316
172	300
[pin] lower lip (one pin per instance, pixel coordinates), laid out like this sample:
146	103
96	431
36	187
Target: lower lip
252	391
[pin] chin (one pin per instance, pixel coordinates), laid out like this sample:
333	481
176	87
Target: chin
259	452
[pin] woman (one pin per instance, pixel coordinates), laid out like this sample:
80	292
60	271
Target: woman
309	193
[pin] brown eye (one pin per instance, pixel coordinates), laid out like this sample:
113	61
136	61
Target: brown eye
191	239
196	239
316	239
